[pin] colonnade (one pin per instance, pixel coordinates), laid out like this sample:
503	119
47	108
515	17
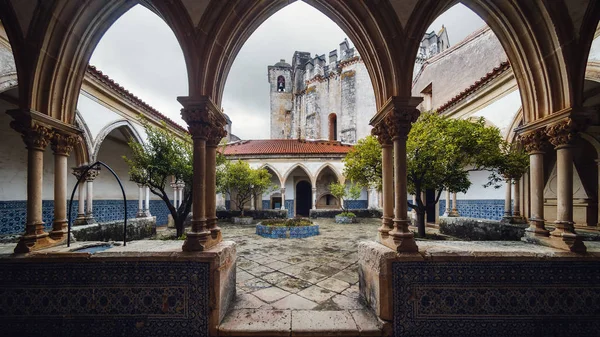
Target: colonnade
85	211
560	136
206	124
38	131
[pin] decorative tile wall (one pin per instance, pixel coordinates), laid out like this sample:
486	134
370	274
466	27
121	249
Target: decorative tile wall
299	232
289	205
266	204
516	298
492	209
104	298
13	214
356	204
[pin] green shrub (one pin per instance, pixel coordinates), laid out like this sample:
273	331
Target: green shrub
348	214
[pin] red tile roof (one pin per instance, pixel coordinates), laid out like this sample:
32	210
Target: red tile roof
286	146
504	66
94	72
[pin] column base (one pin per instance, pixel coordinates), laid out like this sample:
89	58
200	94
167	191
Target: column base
569	243
59	230
30	243
401	242
82	220
453	213
201	241
140	214
386	226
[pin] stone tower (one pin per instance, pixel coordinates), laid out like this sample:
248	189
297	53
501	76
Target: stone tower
280	78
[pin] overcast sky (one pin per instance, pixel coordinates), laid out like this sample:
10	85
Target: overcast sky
141	53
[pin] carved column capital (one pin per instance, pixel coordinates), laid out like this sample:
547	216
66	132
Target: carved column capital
35	135
216	133
63	144
563	133
535	141
399	121
381	132
92	174
205	120
78	171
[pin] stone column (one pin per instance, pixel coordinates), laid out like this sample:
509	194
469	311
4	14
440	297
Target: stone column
180	188
283	198
36	138
534	143
387	180
399	120
175	187
216	134
80	220
507	200
62	145
205	120
448	209
252	202
517	207
561	135
147	206
314	198
140	212
89	182
454	205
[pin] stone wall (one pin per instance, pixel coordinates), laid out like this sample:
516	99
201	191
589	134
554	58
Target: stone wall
331	213
481	229
137	229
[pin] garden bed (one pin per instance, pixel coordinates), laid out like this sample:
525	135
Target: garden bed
290	228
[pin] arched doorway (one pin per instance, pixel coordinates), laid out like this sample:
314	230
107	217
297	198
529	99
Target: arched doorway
303	198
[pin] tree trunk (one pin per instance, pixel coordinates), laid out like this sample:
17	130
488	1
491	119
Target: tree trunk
421	222
179	225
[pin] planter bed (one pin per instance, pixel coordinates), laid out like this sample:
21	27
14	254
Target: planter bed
290	228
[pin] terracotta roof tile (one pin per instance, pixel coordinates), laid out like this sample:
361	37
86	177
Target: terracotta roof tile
286	146
94	72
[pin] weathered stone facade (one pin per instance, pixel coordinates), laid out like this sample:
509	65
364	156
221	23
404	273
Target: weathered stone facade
320	98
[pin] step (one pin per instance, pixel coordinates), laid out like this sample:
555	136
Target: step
270	322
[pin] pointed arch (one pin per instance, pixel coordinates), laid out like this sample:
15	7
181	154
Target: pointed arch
303	168
270	167
340	177
83	149
125	124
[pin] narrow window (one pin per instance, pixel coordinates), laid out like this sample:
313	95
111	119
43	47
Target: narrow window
332	126
281	83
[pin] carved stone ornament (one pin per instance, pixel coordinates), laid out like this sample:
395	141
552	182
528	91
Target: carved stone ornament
78	171
34	135
216	134
63	144
535	141
562	133
92	174
381	132
399	121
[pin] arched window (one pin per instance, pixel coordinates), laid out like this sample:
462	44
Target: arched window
332	126
281	83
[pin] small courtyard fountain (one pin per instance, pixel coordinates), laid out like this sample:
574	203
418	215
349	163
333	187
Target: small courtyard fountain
287	228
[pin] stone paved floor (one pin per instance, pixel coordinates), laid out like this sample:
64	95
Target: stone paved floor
300	285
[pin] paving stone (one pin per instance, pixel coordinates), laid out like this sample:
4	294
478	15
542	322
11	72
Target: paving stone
247	301
260	259
339	264
253	285
277	265
352	292
293	260
245	322
316	294
241	276
271	294
309	276
275	277
260	271
347	303
347	275
367	323
310	323
294	302
293	285
246	264
326	270
334	285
